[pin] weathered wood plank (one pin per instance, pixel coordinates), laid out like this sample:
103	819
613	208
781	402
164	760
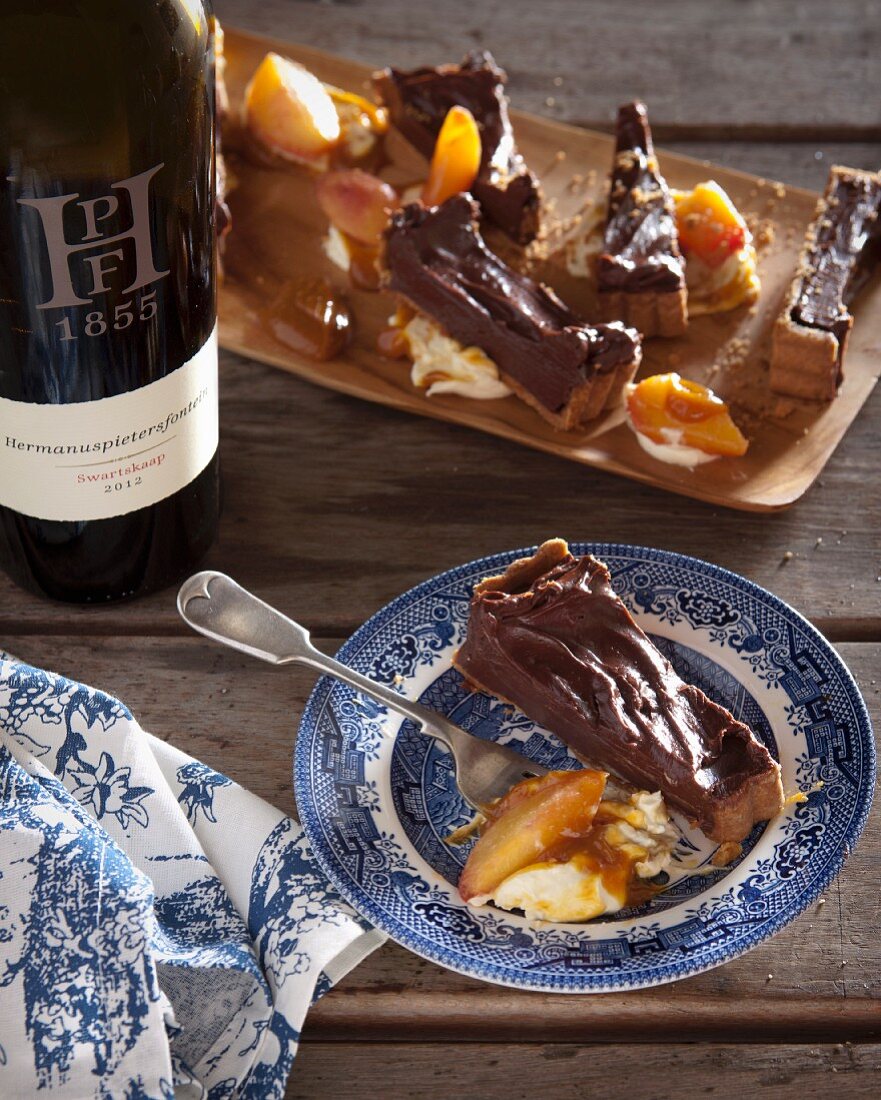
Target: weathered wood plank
766	68
334	506
231	711
324	1071
801	164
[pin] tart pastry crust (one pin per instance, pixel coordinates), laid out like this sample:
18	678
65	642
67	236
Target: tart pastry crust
842	247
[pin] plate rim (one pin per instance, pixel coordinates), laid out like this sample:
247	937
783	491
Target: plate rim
675	971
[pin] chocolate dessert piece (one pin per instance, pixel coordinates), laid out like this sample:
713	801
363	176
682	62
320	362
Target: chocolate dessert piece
842	247
418	103
551	637
640	272
567	370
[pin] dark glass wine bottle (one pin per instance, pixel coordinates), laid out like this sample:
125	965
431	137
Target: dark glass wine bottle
108	339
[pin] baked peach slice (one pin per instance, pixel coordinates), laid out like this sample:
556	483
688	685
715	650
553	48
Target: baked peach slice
290	112
456	158
527	823
665	405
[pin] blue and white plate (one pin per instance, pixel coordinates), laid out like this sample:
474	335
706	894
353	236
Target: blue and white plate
377	798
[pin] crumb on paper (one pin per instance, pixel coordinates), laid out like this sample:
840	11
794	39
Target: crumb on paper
783	407
764	234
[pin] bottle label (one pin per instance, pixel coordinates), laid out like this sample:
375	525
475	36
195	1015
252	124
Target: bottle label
98	459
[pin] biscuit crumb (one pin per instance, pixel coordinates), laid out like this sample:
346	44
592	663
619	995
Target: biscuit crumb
726	853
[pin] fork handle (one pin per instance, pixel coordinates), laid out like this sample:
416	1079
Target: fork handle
215	605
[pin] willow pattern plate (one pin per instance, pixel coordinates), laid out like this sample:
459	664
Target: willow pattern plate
377	798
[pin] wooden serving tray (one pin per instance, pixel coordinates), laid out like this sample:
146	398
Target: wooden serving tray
277	232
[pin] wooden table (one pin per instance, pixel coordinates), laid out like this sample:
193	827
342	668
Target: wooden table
333	507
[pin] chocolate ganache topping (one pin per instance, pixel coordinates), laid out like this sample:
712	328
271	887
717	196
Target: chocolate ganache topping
438	261
552	637
418	103
845	251
641	244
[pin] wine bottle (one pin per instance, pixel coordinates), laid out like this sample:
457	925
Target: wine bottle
108	318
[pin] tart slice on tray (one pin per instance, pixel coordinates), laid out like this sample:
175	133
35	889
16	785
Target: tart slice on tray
841	250
566	369
640	271
418	103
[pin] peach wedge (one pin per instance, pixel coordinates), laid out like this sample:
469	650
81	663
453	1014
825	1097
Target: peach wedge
290	112
456	159
527	822
666	402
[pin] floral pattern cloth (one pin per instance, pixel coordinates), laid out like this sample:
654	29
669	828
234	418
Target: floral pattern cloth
162	931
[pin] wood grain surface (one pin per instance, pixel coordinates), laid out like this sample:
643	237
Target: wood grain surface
334	506
818	980
522	1072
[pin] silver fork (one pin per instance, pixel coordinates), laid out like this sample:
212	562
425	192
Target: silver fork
218	607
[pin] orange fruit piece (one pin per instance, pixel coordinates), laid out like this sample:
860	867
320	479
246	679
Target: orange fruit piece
666	402
525	825
456	159
289	111
709	225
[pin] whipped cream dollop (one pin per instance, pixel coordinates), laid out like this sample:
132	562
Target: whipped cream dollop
635	823
442	365
673	450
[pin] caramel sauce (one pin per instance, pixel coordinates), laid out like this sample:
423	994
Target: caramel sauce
392	343
310	316
691	406
590	850
594	853
363	264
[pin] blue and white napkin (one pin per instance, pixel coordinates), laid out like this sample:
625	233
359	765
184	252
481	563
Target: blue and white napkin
162	931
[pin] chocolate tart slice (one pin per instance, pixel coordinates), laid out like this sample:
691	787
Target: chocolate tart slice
567	370
842	248
551	637
418	103
640	272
